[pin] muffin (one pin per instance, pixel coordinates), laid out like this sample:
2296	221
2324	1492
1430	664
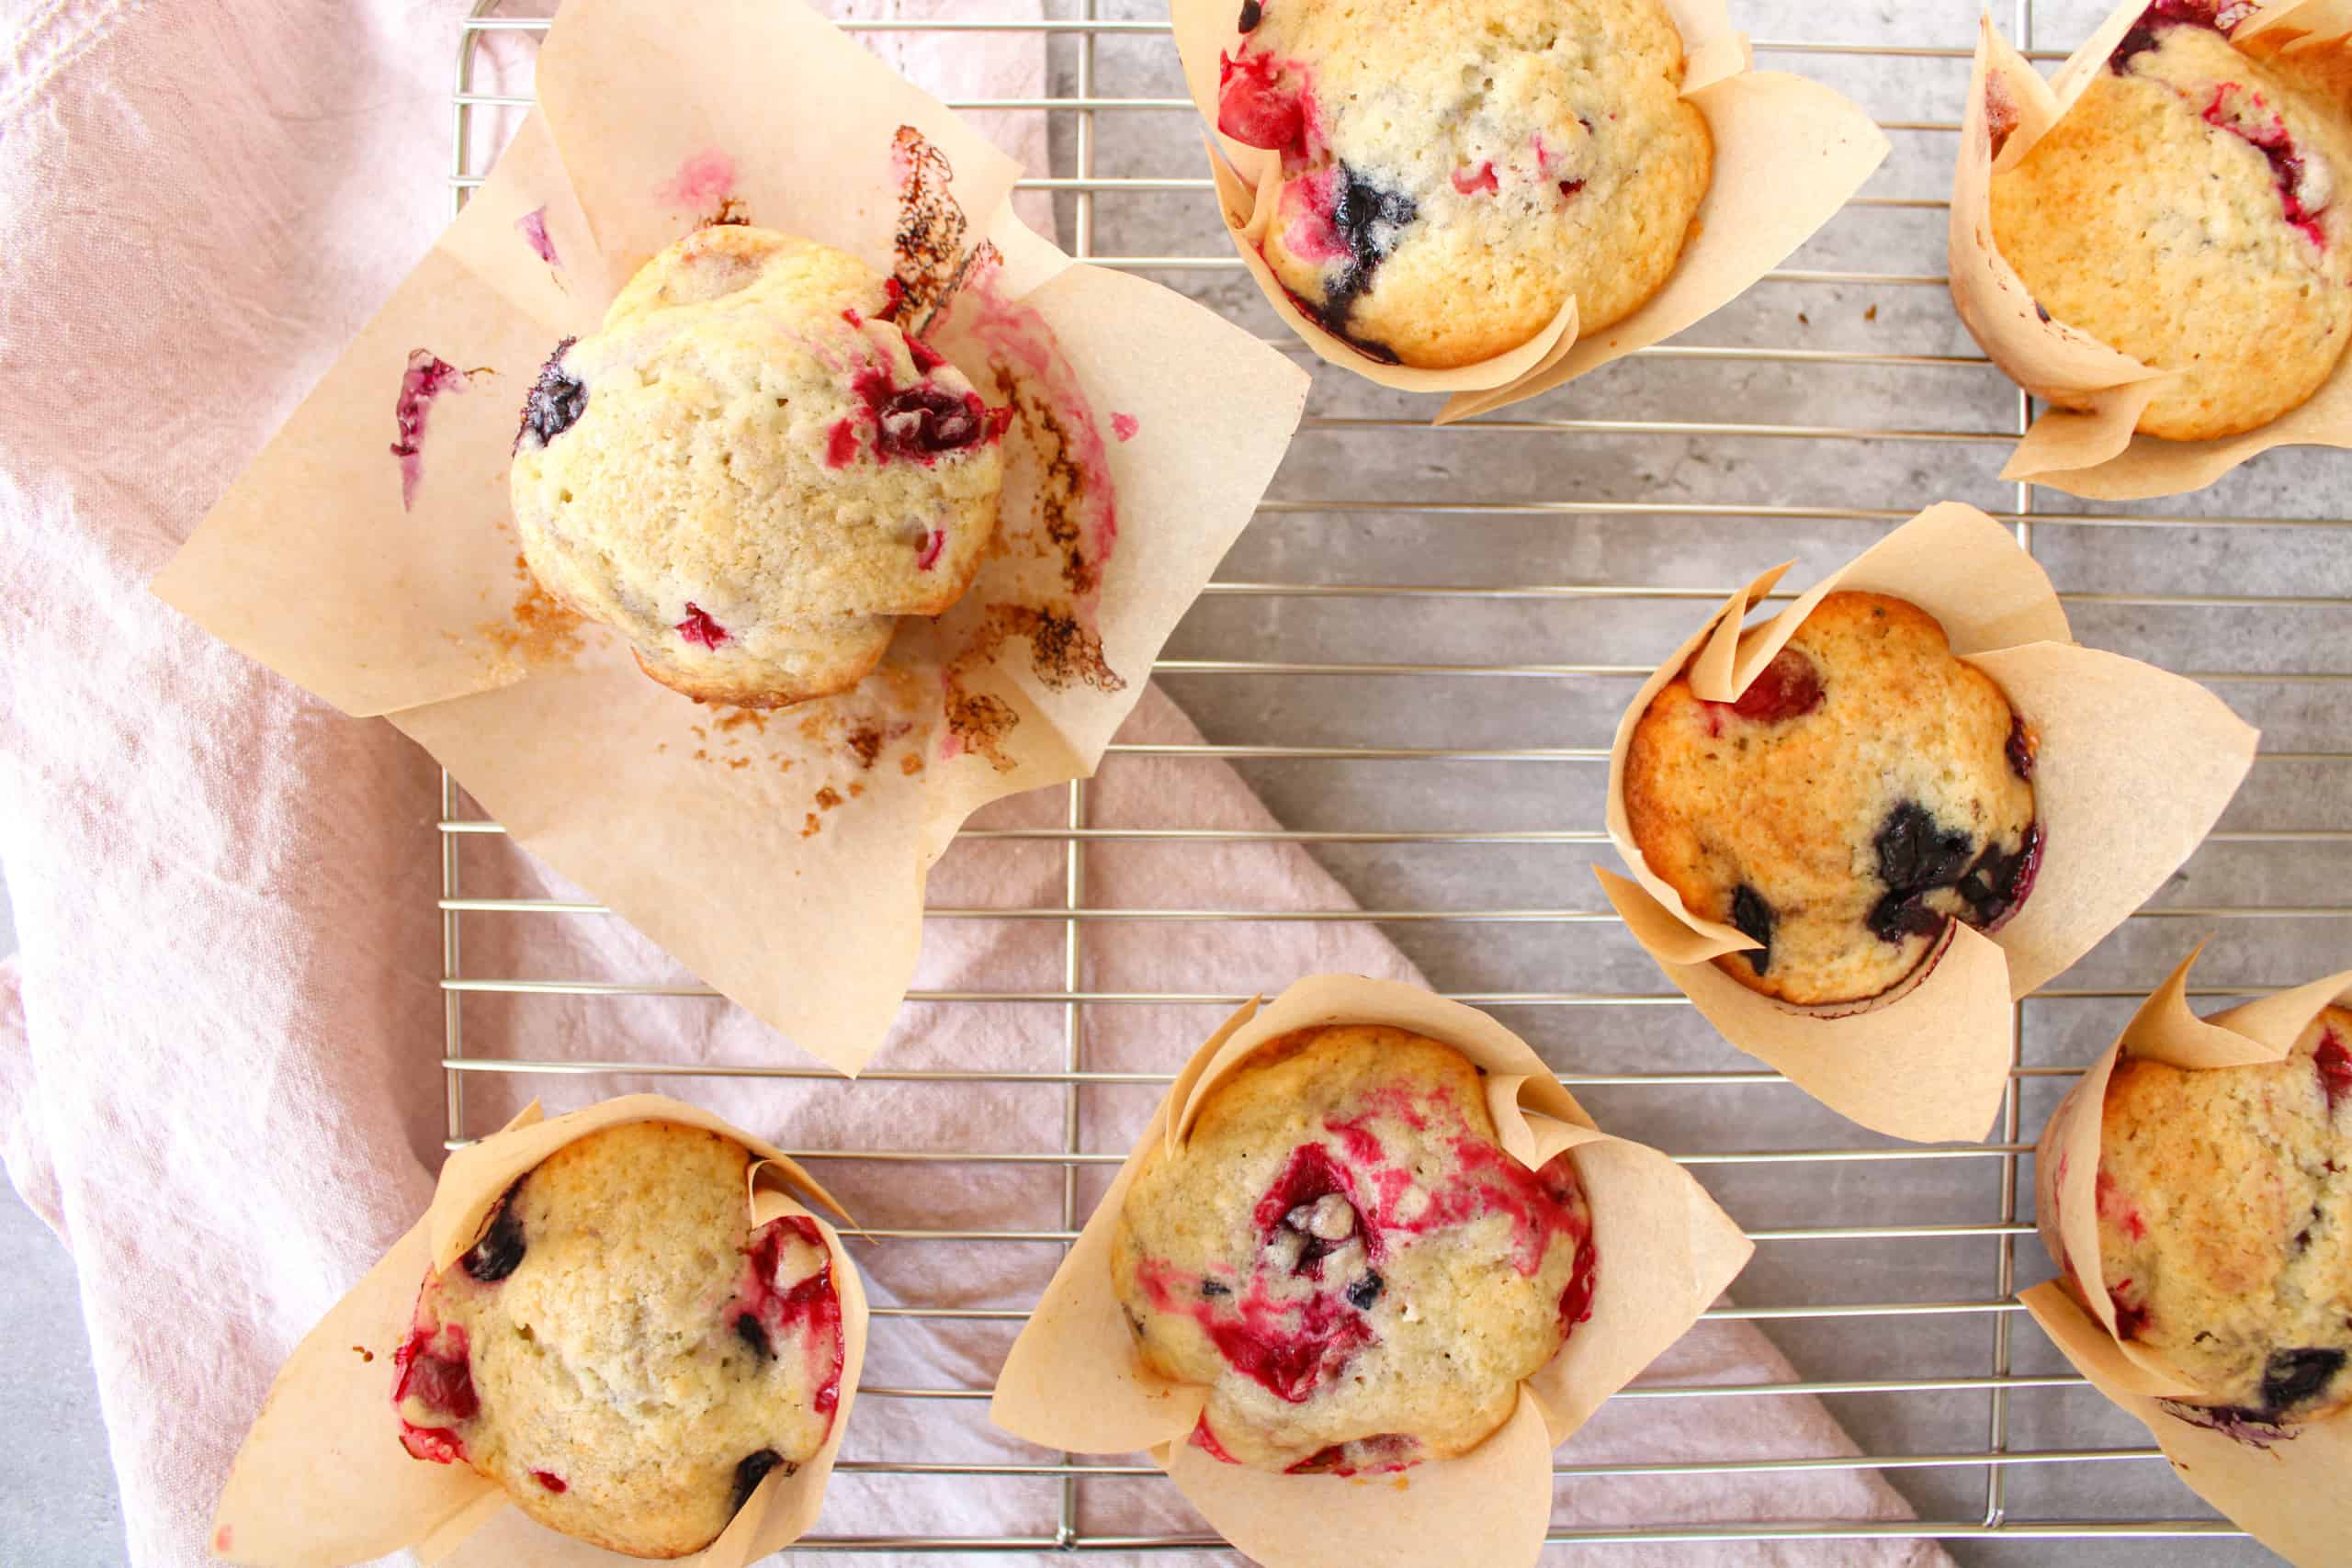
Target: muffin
1343	1254
2184	211
1865	789
2225	1222
751	471
1454	173
620	1351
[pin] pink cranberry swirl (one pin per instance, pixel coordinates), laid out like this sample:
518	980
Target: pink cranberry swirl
1345	1256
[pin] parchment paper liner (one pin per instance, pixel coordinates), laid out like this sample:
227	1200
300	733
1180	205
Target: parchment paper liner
1788	154
780	857
2086	446
2134	765
2289	1493
1073	1381
322	1479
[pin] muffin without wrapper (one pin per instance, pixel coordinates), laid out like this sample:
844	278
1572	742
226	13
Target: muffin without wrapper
1453	174
750	472
620	1351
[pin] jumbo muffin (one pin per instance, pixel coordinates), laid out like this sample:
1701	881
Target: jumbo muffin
751	471
2225	1222
1346	1258
1865	789
620	1351
2185	211
1453	174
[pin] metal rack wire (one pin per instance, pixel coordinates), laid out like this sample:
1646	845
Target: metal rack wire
2035	1472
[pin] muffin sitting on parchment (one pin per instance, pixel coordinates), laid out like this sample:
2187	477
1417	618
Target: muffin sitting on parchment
1454	172
1867	787
2189	209
620	1351
751	471
2225	1222
1347	1259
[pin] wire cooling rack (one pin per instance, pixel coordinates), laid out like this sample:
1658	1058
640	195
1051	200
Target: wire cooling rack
1835	398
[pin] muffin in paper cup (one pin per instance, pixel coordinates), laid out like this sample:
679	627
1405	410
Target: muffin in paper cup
1076	1380
1787	154
2283	1483
323	1478
369	553
2085	442
2131	766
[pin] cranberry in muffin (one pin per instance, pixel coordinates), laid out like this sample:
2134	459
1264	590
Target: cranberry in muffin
1866	788
2226	1223
621	1352
1453	174
1347	1259
2188	210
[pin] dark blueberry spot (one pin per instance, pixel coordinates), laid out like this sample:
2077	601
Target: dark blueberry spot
556	401
2139	40
499	1251
1915	856
1754	918
1569	187
2293	1378
925	419
1997	884
1251	15
2042	309
1368	221
753	1470
2020	748
1364	1292
1212	1289
2235	1422
752	1332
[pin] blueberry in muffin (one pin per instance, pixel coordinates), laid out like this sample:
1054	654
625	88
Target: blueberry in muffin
2187	210
1345	1256
620	1351
1453	174
1866	788
751	471
2226	1225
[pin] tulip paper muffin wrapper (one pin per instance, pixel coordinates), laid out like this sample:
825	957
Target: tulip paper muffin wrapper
781	856
2085	444
1074	1381
322	1478
2287	1491
1788	153
2134	767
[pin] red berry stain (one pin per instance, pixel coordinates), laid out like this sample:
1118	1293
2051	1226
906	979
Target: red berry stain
1383	1453
2334	1064
1482	178
896	293
2130	1320
427	378
551	1480
1789	687
222	1537
927	358
848	314
811	1306
1576	1301
704	181
1569	187
532	227
1287	1348
1205	1440
699	629
1268	102
435	1373
1310	1177
1308	230
2117	1211
2241	111
916	424
933	543
1125	425
840	442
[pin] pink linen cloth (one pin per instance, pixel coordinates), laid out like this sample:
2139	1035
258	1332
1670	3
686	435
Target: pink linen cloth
217	1046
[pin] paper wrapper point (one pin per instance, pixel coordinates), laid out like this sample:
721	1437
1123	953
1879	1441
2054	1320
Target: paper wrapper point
2287	1491
2134	765
1074	1382
1788	153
